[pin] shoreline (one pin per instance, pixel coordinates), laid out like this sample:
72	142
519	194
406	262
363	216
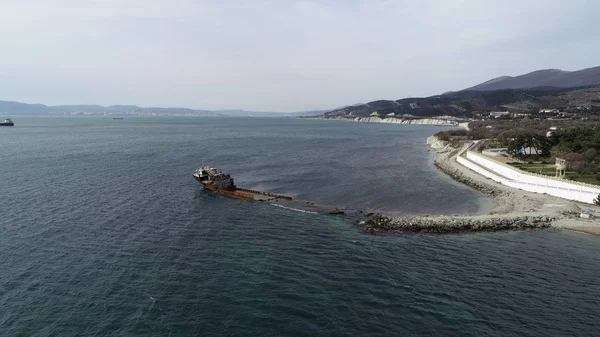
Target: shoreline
512	209
444	121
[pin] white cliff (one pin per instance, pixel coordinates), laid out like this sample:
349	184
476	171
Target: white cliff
438	144
445	121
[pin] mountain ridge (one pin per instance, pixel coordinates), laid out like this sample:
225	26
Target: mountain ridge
542	78
527	93
540	89
466	104
18	108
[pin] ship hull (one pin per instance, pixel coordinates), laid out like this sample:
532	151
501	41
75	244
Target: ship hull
242	193
233	193
203	176
7	124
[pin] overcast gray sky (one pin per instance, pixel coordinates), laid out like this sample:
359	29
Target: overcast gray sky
280	55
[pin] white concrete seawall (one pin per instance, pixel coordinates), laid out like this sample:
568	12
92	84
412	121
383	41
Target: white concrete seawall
515	178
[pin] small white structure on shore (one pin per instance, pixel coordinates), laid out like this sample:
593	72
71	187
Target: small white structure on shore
561	167
587	213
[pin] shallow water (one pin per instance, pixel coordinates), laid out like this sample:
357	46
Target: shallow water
105	233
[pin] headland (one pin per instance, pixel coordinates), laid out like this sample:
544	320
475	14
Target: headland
512	209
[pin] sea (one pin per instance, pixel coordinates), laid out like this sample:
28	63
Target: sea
104	232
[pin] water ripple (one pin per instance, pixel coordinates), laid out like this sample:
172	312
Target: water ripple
104	233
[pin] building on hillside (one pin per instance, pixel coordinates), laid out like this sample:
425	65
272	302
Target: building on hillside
374	114
551	132
498	114
549	111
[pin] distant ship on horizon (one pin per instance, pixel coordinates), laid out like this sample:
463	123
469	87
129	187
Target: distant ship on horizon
7	122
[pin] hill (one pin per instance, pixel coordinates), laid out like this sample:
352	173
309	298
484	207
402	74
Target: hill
17	108
465	104
543	78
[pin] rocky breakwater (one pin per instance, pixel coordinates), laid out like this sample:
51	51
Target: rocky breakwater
509	205
453	224
444	161
458	176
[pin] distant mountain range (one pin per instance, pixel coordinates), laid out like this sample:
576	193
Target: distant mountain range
549	88
466	104
17	108
543	78
542	89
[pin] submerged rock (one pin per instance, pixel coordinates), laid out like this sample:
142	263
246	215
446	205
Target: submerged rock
446	224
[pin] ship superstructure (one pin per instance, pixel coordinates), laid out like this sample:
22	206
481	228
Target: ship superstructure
217	181
213	179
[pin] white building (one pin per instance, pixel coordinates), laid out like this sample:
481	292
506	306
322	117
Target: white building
498	114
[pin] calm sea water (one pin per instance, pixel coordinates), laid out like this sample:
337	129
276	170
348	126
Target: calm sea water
105	233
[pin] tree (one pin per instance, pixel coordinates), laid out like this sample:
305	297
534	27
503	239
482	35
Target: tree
544	146
561	149
539	143
515	146
575	161
597	200
530	141
589	161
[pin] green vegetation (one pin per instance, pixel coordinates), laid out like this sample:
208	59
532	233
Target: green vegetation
534	145
503	131
545	168
448	135
577	140
528	144
535	167
580	147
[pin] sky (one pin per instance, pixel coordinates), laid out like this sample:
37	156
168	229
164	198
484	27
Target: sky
280	55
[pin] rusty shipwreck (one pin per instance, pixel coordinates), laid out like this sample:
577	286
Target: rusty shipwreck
217	181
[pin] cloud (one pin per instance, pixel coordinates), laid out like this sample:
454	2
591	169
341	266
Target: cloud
280	55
